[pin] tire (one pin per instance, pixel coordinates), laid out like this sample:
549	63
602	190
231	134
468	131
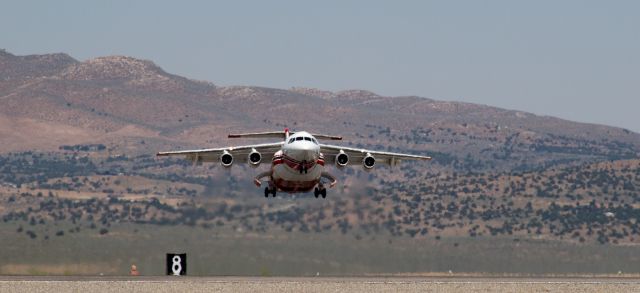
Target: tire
266	192
323	193
316	192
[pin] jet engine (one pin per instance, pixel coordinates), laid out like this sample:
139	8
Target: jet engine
254	158
369	161
342	159
226	159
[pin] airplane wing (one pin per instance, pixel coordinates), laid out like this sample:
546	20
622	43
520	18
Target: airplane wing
240	153
356	155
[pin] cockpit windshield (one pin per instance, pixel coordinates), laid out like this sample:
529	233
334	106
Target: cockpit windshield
307	138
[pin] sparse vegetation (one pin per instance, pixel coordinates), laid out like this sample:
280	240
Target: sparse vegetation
584	203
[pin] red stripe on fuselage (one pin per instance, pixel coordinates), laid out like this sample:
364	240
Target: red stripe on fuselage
295	186
292	163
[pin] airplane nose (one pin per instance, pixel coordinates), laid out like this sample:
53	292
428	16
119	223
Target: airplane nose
306	152
306	147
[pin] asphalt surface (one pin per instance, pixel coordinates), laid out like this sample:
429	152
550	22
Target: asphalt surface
320	284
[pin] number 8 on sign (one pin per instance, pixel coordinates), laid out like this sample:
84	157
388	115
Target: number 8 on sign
176	267
176	264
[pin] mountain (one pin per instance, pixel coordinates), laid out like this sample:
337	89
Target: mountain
507	191
32	66
51	100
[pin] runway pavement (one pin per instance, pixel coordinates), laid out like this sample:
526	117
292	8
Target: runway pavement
320	284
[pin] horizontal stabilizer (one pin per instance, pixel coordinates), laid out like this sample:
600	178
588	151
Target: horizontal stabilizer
268	134
327	137
280	134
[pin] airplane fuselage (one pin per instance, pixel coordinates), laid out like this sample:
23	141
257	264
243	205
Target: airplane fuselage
298	167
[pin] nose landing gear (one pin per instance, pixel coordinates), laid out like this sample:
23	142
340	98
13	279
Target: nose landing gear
303	167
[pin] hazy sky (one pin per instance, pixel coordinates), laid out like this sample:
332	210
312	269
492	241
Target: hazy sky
577	60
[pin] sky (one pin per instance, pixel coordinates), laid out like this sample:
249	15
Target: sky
577	60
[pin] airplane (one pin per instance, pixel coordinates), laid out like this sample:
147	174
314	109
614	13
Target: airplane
297	162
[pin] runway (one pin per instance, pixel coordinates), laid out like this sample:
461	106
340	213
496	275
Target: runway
319	284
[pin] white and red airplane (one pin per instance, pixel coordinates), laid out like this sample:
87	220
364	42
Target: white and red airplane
297	162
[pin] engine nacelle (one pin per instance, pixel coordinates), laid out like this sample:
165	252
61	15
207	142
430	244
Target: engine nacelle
342	159
254	158
369	161
226	159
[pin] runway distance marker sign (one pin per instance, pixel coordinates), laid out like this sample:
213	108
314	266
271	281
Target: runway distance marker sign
176	264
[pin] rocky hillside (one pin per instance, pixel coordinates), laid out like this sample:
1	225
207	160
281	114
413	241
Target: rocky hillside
134	106
593	203
15	68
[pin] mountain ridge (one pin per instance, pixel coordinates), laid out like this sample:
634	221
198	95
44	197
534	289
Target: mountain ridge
115	98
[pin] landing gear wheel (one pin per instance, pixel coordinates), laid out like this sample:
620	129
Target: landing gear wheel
323	192
271	191
316	192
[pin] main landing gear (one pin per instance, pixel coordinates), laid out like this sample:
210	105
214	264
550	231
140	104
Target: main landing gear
268	191
320	190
